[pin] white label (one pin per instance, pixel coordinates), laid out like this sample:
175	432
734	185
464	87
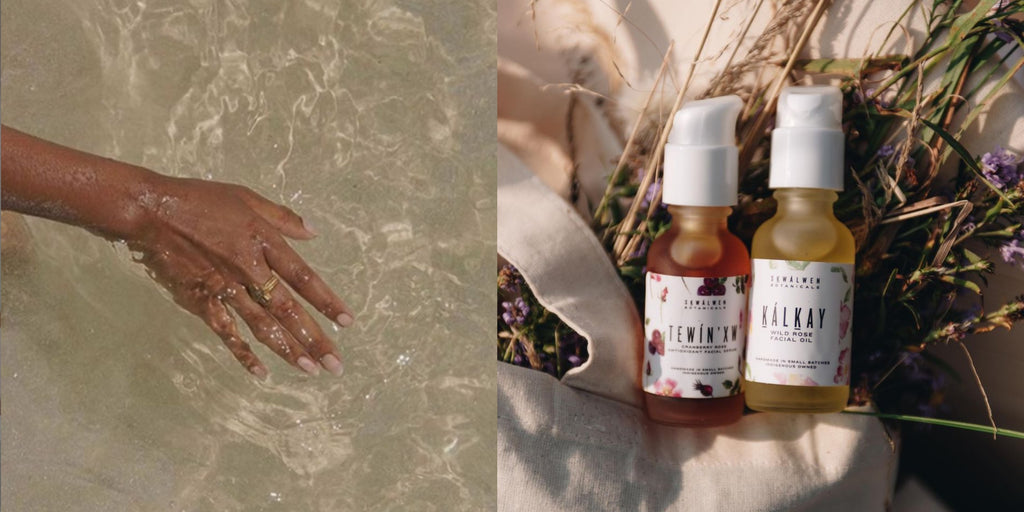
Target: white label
800	315
693	335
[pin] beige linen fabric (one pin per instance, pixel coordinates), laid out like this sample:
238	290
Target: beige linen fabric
563	449
569	449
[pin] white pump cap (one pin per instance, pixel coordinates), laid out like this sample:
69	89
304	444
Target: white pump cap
700	155
807	142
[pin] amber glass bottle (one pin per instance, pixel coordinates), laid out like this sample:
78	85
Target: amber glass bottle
801	303
696	281
699	245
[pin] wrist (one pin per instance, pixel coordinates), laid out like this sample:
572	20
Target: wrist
130	204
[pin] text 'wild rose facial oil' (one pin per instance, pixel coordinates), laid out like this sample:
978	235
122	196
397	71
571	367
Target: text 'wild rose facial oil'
697	272
801	298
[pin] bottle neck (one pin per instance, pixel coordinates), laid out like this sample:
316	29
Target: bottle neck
805	201
699	219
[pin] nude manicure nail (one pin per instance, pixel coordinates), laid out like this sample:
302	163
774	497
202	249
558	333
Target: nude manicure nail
309	227
308	366
332	364
345	319
259	371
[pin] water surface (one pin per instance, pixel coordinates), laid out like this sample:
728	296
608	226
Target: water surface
374	120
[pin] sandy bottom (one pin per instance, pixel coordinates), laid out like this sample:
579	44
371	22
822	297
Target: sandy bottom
372	119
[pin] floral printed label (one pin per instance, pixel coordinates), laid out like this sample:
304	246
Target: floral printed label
693	335
800	313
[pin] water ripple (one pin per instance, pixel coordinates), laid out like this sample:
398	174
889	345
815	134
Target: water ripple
372	119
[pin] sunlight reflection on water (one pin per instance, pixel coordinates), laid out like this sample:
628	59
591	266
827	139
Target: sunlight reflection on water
372	119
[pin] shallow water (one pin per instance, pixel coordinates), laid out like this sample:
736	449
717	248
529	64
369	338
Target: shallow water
372	119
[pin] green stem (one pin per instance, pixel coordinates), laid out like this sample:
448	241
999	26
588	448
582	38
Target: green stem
945	423
906	70
558	354
509	349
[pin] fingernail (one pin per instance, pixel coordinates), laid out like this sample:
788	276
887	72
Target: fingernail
259	371
309	227
308	366
332	364
345	319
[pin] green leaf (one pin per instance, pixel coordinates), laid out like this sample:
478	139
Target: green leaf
971	256
959	281
632	271
853	68
888	282
913	313
994	211
965	157
1007	232
962	45
963	24
944	423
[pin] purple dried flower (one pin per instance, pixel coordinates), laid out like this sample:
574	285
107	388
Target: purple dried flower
549	368
877	356
509	279
938	381
973	312
641	251
1001	31
910	163
515	312
915	365
1002	168
885	100
649	196
1013	250
927	410
888	150
954	331
574	361
927	382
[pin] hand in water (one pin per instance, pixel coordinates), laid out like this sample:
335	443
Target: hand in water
215	246
207	241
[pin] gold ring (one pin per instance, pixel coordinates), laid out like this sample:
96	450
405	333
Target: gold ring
261	294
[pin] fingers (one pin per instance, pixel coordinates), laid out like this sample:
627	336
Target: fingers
294	271
283	218
283	326
294	318
196	286
223	324
207	271
268	331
